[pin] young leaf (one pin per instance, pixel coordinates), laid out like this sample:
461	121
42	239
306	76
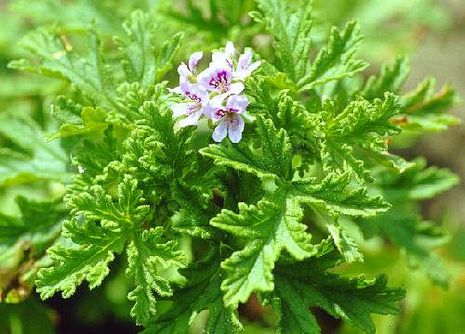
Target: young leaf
104	231
335	196
335	61
291	32
423	108
202	292
273	162
149	257
391	79
360	127
87	259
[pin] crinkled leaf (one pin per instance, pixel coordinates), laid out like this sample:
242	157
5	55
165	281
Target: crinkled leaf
337	60
351	299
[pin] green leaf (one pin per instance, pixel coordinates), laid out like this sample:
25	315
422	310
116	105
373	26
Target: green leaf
105	230
344	243
269	227
94	122
99	206
351	299
202	292
272	162
153	264
23	242
143	64
335	61
87	260
360	129
418	182
55	57
391	79
335	195
26	157
423	109
403	224
291	33
196	207
286	112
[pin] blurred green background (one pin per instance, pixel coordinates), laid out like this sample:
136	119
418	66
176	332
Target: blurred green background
432	32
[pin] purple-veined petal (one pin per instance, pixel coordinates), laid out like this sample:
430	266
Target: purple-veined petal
220	131
194	92
214	109
219	59
237	104
235	128
194	60
216	79
244	60
192	119
236	88
199	94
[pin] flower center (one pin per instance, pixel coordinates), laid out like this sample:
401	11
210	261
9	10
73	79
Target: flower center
193	97
220	81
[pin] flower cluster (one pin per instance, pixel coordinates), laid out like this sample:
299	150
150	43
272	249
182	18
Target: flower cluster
215	92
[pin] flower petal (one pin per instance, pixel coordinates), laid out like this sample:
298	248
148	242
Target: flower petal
220	132
215	78
244	60
176	90
236	88
230	50
254	66
235	129
194	60
179	109
237	103
200	93
192	119
184	72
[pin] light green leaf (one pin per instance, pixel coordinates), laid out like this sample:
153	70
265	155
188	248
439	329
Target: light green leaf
202	292
269	227
291	33
271	162
391	79
335	61
153	264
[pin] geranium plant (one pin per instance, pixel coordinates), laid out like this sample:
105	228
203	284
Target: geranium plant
241	175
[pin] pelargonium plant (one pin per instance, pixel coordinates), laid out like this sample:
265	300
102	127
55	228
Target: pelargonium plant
253	181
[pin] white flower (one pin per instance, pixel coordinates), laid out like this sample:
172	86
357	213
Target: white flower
226	57
230	122
245	67
215	92
242	68
219	79
198	99
186	72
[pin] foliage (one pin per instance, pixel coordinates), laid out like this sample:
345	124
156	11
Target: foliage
201	227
